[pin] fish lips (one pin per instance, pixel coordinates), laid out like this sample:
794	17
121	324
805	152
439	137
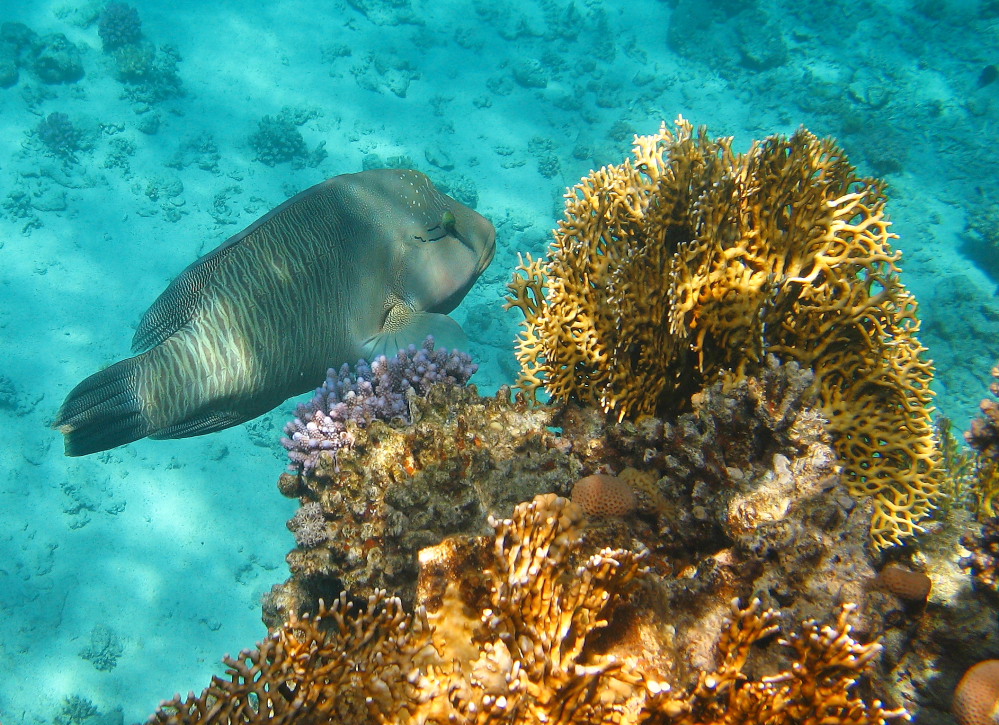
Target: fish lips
485	253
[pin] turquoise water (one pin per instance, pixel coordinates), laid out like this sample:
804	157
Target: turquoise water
125	576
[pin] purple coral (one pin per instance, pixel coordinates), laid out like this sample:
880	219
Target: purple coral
370	392
119	25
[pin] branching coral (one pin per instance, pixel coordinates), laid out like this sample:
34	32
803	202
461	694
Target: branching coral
692	260
304	674
60	136
520	628
277	140
119	25
368	392
815	688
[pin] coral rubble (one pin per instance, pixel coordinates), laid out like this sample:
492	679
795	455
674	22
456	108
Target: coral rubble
692	260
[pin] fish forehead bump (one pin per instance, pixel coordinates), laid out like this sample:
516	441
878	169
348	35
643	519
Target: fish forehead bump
407	192
412	205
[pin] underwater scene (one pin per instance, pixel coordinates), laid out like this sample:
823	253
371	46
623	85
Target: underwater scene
564	361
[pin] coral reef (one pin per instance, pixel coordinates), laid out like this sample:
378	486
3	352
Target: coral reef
692	260
104	649
984	433
119	25
514	612
75	709
400	488
277	140
501	633
59	136
379	391
385	71
742	496
149	73
56	59
17	41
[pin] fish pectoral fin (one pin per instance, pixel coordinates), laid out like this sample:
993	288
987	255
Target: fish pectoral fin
404	327
201	424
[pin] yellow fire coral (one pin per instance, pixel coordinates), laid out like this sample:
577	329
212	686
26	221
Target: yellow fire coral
693	259
521	628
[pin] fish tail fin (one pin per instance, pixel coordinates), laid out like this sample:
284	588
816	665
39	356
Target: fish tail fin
104	411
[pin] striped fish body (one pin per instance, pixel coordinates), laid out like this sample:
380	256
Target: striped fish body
360	264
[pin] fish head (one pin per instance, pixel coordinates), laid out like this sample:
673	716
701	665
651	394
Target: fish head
445	246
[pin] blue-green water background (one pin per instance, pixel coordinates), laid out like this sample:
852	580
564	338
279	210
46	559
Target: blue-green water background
154	556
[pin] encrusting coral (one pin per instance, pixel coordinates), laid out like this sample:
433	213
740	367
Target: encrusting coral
524	627
982	561
692	260
984	439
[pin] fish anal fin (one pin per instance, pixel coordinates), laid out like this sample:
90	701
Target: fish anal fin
199	425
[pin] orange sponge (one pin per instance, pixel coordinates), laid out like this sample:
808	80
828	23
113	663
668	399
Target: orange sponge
976	699
913	586
603	495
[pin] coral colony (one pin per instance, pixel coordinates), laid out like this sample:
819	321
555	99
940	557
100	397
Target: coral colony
370	392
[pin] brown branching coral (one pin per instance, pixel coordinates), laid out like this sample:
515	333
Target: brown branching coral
303	673
691	260
524	627
815	688
503	643
523	657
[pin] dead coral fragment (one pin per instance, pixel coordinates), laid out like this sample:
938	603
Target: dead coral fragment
690	260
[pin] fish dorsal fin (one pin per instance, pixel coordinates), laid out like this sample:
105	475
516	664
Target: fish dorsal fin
404	327
176	304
